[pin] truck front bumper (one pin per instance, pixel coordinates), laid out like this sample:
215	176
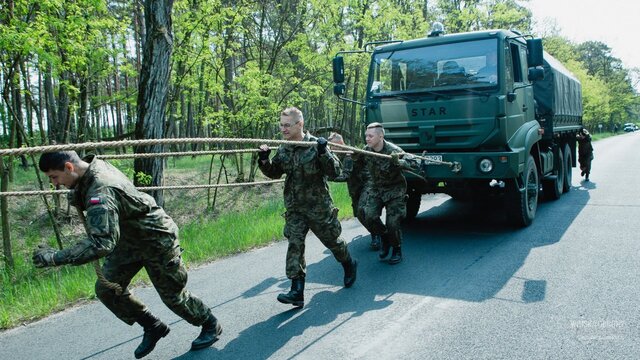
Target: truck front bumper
473	166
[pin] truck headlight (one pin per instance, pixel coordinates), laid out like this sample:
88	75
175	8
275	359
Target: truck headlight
485	165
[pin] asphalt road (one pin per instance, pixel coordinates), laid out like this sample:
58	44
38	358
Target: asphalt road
469	288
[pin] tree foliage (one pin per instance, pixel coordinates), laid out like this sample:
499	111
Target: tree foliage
609	98
73	67
71	70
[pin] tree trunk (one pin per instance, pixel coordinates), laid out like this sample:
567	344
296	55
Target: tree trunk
63	108
140	34
152	90
97	119
6	230
28	106
83	117
52	114
116	89
129	110
16	105
41	105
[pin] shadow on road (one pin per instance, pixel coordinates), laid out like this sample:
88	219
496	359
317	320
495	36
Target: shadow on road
453	251
265	338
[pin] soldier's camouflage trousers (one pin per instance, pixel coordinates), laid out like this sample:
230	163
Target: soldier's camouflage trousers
356	202
168	275
324	224
371	209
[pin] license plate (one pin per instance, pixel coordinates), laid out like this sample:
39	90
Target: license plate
432	159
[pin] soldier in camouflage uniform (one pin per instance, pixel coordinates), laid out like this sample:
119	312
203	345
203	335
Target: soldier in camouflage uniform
129	230
585	152
386	187
355	175
307	201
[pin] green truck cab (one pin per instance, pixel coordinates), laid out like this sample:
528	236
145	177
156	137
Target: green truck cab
491	114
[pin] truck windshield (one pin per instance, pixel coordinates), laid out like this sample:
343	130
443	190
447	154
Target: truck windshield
461	65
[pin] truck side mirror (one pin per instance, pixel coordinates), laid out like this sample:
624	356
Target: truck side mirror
339	89
536	73
338	70
534	52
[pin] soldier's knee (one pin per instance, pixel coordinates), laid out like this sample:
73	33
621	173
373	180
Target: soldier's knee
104	293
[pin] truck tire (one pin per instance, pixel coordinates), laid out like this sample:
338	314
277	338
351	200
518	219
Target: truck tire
553	187
522	202
413	204
568	167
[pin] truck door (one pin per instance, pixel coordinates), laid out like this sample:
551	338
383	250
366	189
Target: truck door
521	109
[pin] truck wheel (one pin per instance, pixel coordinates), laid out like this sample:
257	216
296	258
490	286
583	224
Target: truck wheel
522	202
554	186
568	167
413	205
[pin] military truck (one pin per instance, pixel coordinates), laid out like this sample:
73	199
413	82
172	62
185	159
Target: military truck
493	116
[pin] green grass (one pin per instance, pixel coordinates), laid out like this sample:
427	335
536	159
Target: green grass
232	232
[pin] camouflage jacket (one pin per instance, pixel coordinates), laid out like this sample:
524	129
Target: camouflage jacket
384	178
306	186
585	149
115	213
353	173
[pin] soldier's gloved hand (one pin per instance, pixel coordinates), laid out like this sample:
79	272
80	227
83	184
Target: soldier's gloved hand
264	152
322	145
395	159
43	256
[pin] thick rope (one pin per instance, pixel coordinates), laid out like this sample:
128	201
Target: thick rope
146	142
175	141
208	186
362	151
172	141
145	188
34	192
177	153
107	144
189	153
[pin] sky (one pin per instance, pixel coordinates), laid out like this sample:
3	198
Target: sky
613	22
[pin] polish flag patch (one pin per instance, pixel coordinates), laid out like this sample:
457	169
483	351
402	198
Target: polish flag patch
94	200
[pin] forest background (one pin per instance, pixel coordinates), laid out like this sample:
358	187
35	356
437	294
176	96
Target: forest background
75	71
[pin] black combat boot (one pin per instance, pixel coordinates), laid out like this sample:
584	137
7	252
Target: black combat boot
211	329
386	246
396	255
350	269
154	330
295	296
375	242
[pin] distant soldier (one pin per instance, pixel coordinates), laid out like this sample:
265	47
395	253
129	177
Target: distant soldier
307	200
128	229
385	188
585	152
355	176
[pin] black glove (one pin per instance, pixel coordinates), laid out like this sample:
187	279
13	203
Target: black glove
322	145
263	155
43	256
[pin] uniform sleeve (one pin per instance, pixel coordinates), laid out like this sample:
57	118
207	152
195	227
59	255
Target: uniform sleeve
358	166
410	162
272	168
347	168
103	231
330	164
